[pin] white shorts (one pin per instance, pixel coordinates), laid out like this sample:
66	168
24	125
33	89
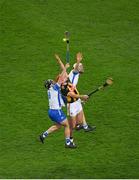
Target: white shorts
75	108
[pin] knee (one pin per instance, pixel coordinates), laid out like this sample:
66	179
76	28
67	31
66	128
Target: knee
72	125
66	124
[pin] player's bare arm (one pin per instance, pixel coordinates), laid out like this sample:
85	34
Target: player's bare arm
60	62
67	65
79	58
62	77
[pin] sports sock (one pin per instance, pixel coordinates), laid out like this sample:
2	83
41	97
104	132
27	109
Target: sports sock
71	139
85	126
45	134
78	125
68	140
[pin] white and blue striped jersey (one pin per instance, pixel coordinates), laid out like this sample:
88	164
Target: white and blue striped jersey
73	77
54	96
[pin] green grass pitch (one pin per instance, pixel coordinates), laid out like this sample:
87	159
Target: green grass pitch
107	33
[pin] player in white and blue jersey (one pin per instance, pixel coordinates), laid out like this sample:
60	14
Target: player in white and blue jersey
55	112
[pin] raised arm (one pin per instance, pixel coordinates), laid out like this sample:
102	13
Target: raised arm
79	58
60	62
62	77
62	66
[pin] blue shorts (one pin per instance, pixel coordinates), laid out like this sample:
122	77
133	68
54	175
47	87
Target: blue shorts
56	115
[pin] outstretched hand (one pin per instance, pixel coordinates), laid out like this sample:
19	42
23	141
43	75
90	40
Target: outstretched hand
79	57
67	65
60	62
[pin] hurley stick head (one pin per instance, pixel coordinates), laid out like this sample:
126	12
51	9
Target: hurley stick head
108	82
67	36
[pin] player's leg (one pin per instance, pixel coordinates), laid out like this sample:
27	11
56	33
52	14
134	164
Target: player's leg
80	118
66	128
59	118
68	142
65	123
54	116
53	128
73	111
81	121
77	110
82	124
85	124
72	123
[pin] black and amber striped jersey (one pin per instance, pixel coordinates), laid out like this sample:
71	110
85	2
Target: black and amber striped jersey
65	89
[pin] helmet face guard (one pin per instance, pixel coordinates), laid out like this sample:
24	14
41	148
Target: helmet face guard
48	83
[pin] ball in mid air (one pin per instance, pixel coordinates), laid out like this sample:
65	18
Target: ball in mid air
64	39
